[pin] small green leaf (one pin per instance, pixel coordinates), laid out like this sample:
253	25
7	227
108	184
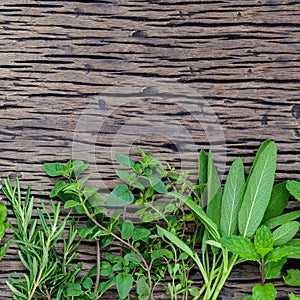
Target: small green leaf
106	269
70	203
127	229
293	297
124	283
294	188
89	191
285	233
265	292
120	196
59	186
133	257
142	288
161	253
73	289
273	269
263	240
78	167
123	175
3	212
241	246
292	278
280	252
105	285
87	283
54	169
124	160
157	184
140	233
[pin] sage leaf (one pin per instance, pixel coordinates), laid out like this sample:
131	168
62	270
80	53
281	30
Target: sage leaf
294	188
202	170
280	252
258	190
241	246
285	233
264	292
277	221
292	278
263	240
120	196
273	269
124	283
231	201
278	201
213	193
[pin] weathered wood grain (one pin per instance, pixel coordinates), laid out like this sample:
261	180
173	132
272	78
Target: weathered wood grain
88	78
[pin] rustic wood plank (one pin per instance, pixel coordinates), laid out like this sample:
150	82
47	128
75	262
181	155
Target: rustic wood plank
237	60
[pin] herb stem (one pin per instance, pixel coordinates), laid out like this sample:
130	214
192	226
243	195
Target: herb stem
98	265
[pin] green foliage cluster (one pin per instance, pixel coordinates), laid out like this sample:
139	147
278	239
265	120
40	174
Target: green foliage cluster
244	220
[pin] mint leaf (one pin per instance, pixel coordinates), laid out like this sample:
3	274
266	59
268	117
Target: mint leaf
273	269
285	233
263	240
265	292
293	297
292	278
241	246
280	252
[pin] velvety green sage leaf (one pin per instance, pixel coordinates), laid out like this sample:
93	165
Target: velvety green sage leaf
263	240
202	170
294	188
273	269
124	160
264	292
285	233
280	252
258	190
285	218
241	246
120	196
142	288
54	169
124	283
292	277
278	202
127	229
212	195
232	197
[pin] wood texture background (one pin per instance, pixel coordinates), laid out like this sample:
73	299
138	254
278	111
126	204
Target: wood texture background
139	69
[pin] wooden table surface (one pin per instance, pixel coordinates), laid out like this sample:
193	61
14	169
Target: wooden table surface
86	79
